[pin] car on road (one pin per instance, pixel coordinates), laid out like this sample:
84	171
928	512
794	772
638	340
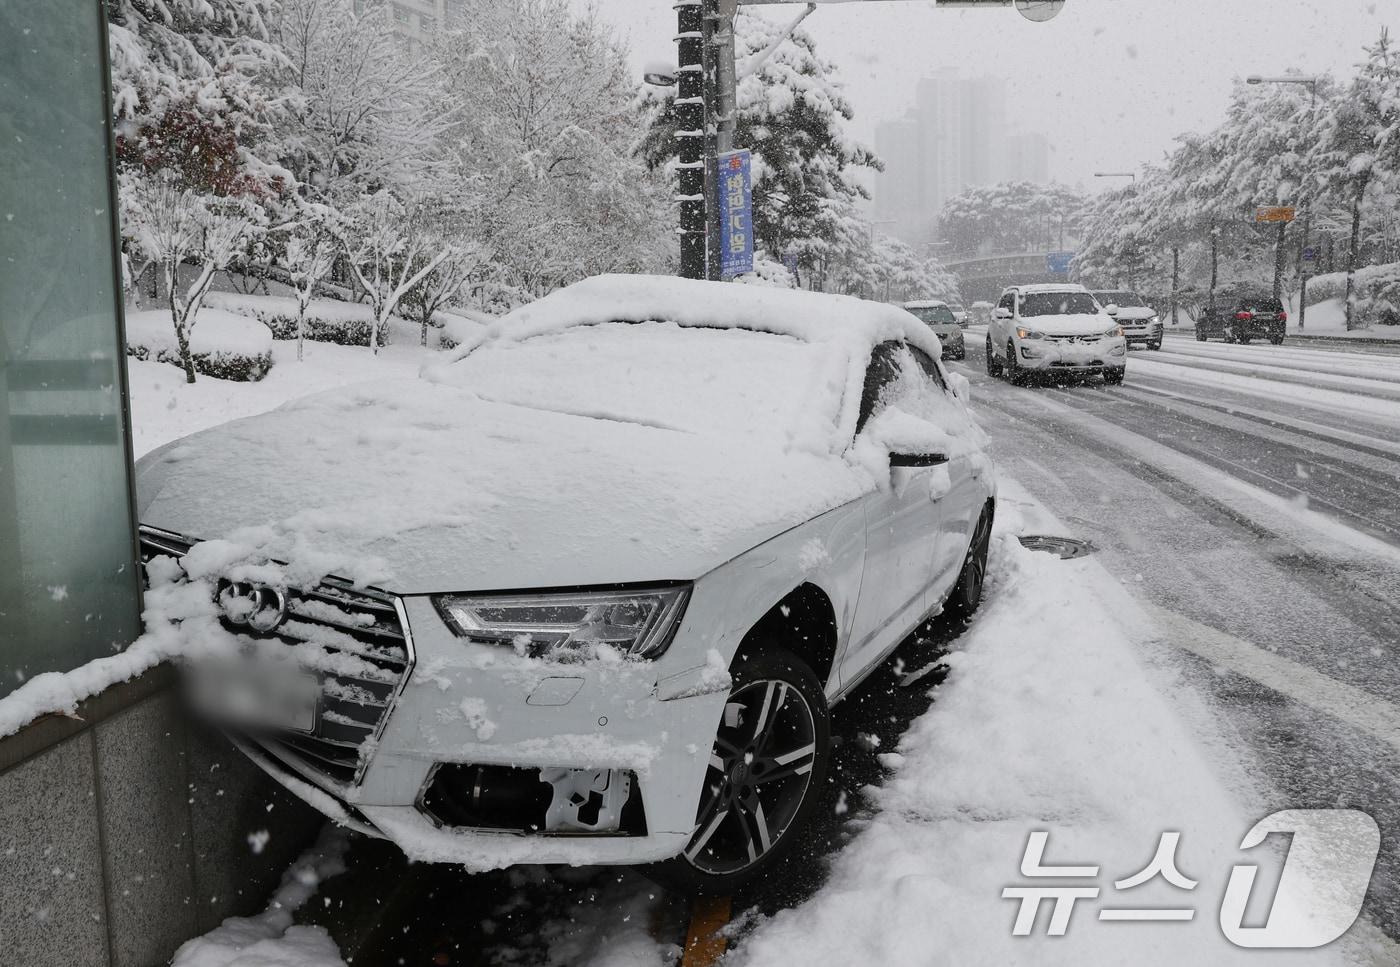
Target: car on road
1054	329
595	583
1240	314
959	313
940	317
1140	321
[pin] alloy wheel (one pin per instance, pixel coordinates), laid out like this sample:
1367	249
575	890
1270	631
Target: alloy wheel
759	772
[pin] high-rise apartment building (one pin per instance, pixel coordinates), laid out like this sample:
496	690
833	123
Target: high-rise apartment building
1028	158
954	138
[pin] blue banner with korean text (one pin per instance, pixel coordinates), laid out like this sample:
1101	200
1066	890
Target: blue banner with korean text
735	214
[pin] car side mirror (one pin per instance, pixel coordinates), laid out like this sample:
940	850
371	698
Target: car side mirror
1111	309
1002	312
917	459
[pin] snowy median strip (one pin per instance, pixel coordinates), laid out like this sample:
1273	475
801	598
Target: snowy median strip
1060	716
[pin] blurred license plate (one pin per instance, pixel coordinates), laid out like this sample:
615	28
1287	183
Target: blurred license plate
256	696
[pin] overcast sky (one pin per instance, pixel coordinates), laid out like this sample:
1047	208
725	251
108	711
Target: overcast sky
1110	82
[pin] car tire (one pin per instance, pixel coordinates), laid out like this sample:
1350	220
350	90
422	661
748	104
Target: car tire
748	790
966	595
1015	375
1113	375
1201	336
1155	345
1276	340
994	368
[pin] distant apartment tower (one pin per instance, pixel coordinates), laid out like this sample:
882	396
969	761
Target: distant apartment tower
899	194
962	124
953	139
416	21
1028	158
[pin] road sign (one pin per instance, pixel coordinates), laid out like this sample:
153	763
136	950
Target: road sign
1275	213
1057	263
1309	255
735	214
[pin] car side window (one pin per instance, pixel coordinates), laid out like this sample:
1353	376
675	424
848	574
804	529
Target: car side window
929	367
1008	301
882	373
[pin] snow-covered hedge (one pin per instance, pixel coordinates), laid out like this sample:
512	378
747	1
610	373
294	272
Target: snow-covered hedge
224	345
770	273
1377	292
343	323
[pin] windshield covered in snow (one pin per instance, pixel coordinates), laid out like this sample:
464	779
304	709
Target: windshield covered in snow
1058	304
934	315
726	382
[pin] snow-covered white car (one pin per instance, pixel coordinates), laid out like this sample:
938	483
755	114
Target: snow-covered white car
940	318
1139	320
1054	329
601	576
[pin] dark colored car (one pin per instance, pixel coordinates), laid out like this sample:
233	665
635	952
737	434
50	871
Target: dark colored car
1241	317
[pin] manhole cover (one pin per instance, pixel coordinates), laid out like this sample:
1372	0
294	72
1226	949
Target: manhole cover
1061	547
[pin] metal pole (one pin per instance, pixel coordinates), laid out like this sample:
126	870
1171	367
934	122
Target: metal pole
726	76
1307	232
711	64
690	135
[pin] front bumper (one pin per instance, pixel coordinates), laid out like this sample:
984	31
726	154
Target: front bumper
954	345
1072	355
465	704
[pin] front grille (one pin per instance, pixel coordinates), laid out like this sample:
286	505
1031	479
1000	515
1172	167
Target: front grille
361	654
1075	339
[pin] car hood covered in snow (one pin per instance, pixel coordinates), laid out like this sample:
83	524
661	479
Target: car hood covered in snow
420	487
1069	325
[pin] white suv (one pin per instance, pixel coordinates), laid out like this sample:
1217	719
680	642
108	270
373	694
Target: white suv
585	594
1058	328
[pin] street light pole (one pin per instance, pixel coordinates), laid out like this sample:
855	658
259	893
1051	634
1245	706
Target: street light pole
1311	81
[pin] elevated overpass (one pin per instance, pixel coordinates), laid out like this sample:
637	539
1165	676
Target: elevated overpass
984	276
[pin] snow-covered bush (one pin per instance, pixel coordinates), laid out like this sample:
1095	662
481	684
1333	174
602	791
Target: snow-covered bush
342	323
770	273
223	345
1375	295
459	325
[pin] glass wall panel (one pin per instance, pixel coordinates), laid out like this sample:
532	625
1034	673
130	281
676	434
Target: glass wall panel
68	584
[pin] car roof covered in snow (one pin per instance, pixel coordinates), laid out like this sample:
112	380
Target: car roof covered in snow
1048	287
925	304
814	317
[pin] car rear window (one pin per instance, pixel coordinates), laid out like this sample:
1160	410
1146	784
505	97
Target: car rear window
935	315
1261	304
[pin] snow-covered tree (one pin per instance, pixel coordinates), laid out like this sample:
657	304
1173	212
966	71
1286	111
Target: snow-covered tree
313	245
1017	216
792	114
363	113
544	165
391	247
440	287
1356	140
174	226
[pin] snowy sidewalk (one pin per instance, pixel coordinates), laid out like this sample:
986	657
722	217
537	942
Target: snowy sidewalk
1061	714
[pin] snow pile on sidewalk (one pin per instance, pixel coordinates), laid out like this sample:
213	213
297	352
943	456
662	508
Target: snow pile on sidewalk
1049	721
270	939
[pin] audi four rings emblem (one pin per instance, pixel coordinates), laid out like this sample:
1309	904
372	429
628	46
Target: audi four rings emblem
257	606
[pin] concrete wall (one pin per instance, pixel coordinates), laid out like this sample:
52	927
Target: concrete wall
125	834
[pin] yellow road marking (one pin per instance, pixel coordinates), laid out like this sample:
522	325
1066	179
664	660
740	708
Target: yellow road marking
704	944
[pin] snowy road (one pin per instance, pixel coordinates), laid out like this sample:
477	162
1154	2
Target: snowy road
1250	496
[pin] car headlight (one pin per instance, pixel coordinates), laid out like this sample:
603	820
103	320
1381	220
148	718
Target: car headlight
570	626
1154	321
1115	331
1024	333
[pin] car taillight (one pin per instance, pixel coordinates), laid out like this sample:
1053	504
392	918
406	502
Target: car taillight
1244	316
1283	315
